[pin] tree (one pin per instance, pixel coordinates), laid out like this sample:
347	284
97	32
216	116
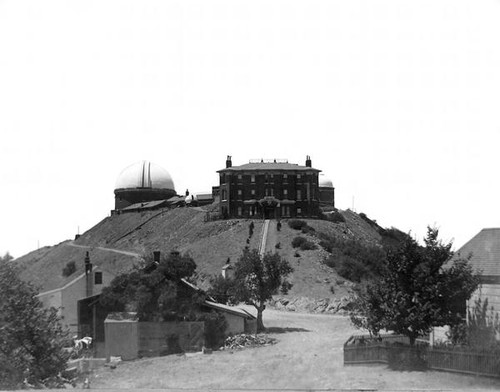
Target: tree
6	257
154	290
156	293
31	337
256	279
420	288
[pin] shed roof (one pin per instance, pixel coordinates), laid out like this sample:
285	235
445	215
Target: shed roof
230	309
484	249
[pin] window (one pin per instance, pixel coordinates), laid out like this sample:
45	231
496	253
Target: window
239	176
298	176
239	193
299	211
285	192
239	211
97	277
285	176
299	194
252	178
272	192
252	192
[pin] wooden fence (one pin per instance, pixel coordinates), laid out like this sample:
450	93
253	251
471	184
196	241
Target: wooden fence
364	351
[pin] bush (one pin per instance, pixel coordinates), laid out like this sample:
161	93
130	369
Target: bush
307	229
298	241
348	268
337	217
297	224
69	269
278	245
221	289
303	243
215	329
251	227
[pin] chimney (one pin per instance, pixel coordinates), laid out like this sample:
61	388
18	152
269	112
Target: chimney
228	161
156	256
308	161
88	264
88	276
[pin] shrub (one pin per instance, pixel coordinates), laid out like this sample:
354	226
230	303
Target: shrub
278	245
296	254
337	217
250	229
215	329
69	269
298	241
307	229
308	245
303	243
297	224
326	245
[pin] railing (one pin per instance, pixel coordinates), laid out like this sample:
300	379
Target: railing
363	350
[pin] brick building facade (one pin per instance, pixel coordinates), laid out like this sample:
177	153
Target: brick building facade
269	189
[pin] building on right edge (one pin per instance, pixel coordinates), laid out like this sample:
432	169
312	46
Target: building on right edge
272	189
484	252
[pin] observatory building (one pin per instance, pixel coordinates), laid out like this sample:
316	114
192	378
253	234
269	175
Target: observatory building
143	182
273	189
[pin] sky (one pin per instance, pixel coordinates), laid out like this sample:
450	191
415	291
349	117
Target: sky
397	102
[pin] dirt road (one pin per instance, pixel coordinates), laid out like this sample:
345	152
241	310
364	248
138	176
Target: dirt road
308	356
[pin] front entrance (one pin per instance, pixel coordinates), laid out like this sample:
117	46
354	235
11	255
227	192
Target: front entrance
269	212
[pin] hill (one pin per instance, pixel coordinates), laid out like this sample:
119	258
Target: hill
119	241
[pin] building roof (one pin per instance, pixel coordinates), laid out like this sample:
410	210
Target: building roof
484	249
268	166
230	309
325	182
146	205
144	174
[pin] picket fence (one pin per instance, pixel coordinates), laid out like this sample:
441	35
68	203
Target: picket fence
364	350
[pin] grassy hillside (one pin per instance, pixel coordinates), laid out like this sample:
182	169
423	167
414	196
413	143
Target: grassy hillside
210	243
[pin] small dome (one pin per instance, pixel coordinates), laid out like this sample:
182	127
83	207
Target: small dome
144	174
324	181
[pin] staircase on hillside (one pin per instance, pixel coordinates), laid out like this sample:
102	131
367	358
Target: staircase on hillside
263	238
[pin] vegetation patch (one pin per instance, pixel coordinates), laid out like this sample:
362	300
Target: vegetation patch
297	224
352	259
69	269
303	243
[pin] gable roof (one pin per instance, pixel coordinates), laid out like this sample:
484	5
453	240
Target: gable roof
484	249
266	166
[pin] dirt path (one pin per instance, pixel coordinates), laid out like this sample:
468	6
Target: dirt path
122	252
308	356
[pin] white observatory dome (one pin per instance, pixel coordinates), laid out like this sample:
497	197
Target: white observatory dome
144	174
324	181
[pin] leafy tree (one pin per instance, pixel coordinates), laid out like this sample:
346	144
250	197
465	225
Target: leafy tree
256	279
221	289
419	289
154	290
6	257
31	336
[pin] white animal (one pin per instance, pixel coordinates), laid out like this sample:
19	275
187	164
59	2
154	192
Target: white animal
82	343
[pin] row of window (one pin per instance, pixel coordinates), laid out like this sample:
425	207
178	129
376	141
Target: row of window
251	211
267	177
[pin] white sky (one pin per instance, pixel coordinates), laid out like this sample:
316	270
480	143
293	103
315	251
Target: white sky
396	101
